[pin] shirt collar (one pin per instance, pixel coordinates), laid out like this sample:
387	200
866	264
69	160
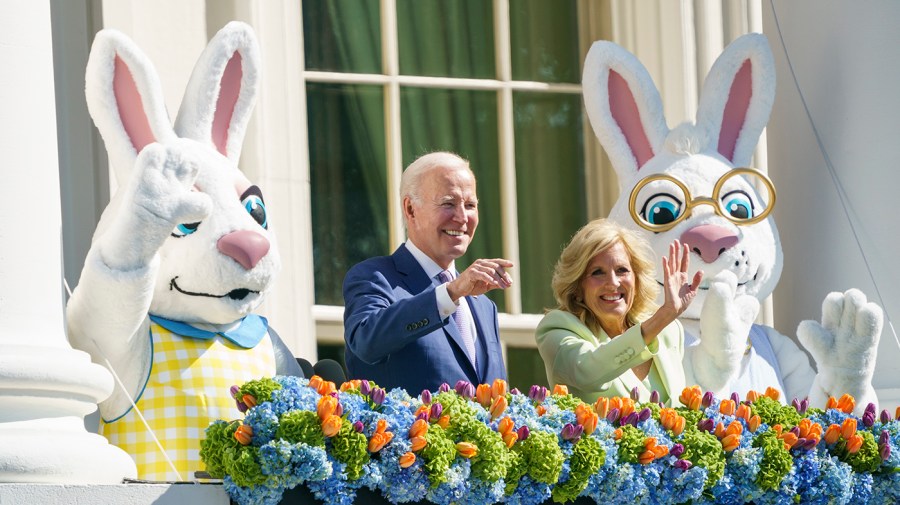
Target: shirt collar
249	332
431	268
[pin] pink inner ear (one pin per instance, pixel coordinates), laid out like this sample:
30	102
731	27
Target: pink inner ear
736	110
229	90
131	108
624	111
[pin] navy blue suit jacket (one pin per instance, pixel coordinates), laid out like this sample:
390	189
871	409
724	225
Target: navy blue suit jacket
395	336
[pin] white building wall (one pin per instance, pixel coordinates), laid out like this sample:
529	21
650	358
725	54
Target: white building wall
845	56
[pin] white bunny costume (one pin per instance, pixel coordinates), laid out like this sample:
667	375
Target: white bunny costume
182	255
724	220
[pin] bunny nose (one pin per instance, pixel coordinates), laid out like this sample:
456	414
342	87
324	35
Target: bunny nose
244	246
709	241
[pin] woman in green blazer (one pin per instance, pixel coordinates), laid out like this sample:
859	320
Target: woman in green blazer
607	337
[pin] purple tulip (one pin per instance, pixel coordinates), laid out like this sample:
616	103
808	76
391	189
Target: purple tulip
422	415
241	406
805	444
572	431
460	386
885	452
613	415
868	418
235	391
631	419
654	396
707	425
683	465
885	438
358	426
870	408
339	410
708	399
796	404
426	396
676	450
378	396
736	398
365	388
523	432
804	404
644	414
885	417
635	395
436	410
537	393
468	391
796	430
515	391
444	388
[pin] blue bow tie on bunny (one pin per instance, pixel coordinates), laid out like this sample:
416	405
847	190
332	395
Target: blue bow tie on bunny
249	332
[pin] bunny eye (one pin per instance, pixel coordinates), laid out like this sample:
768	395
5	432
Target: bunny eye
738	205
257	209
660	209
184	230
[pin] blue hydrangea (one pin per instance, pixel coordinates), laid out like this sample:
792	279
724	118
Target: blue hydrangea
289	465
529	492
456	487
264	422
257	495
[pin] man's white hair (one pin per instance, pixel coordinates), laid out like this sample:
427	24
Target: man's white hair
410	182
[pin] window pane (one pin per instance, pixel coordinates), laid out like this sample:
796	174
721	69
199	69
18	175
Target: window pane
447	39
463	122
550	187
348	177
342	36
544	40
525	368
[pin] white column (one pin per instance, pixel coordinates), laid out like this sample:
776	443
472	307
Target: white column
845	59
46	387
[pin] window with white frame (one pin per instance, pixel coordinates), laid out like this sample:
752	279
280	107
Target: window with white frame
497	82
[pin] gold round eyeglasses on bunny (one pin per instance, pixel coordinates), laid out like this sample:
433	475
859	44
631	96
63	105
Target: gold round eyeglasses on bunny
742	195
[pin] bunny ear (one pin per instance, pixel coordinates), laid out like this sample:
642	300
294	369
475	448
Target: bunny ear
125	99
222	91
737	97
624	107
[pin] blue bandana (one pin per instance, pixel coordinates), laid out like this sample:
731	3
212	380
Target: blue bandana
249	333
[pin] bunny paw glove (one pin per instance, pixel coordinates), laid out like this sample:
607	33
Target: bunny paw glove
844	347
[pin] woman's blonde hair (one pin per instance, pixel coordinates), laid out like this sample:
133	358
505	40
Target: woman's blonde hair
591	240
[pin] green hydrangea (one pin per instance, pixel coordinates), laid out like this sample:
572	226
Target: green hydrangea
351	448
492	460
543	456
631	445
219	437
567	402
242	464
772	412
587	458
300	426
261	389
866	460
776	461
691	417
703	449
517	469
454	405
438	453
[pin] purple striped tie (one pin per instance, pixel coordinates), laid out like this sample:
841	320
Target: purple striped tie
461	318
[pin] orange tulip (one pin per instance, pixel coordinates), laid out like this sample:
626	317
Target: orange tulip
646	457
418	428
498	388
541	410
727	407
753	423
831	403
695	403
377	442
315	381
743	411
510	438
848	428
351	384
426	409
720	430
331	425
660	451
444	421
735	428
244	434
483	395
773	393
581	412
467	449
249	400
618	433
407	460
627	407
789	439
679	425
832	434
590	423
752	396
601	406
326	388
418	443
854	443
846	404
897	413
688	393
505	425
326	406
777	429
381	426
498	407
731	442
560	389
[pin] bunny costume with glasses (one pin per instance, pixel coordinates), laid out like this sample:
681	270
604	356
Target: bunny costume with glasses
183	254
691	183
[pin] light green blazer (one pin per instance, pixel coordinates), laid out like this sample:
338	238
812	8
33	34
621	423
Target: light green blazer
594	366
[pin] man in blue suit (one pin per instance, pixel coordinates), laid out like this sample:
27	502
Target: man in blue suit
409	320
